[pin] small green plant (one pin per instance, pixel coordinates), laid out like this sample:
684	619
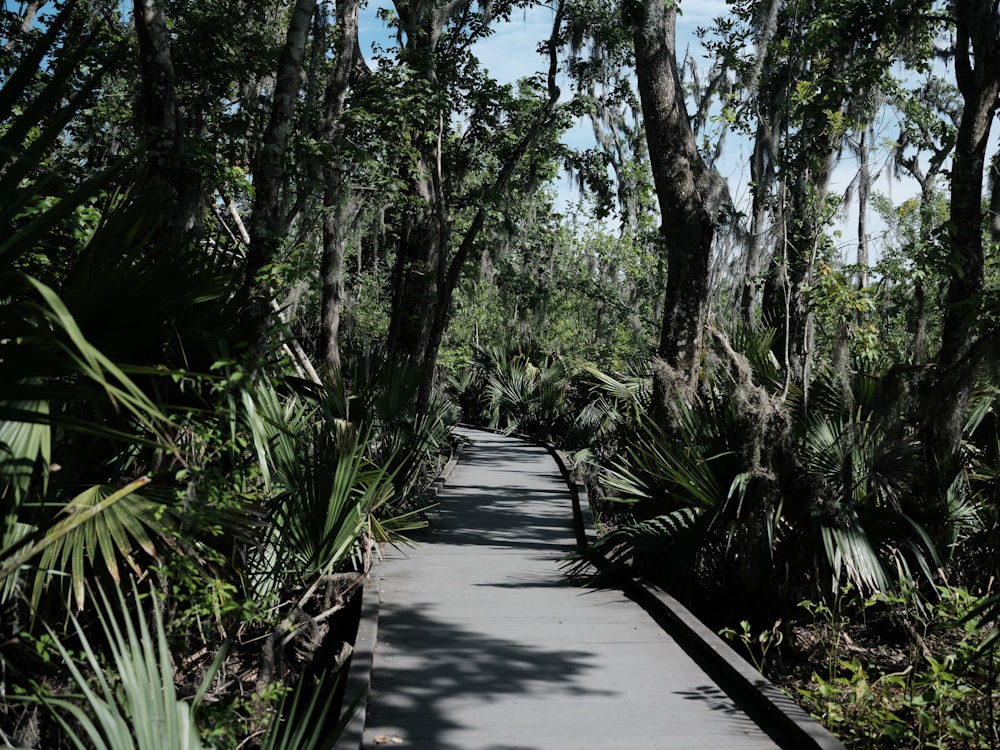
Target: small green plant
862	712
832	618
758	646
943	697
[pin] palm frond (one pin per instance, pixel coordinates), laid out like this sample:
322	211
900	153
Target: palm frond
97	367
92	524
109	537
135	704
652	535
302	717
25	452
850	551
329	494
628	393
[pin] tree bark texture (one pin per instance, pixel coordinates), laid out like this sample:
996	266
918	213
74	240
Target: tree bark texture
336	205
267	225
162	124
683	184
977	70
336	213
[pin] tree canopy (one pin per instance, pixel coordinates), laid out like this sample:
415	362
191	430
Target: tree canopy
241	237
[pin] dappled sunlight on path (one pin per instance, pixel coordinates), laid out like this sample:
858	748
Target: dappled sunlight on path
484	644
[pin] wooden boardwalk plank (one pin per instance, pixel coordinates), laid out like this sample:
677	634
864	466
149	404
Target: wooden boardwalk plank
483	644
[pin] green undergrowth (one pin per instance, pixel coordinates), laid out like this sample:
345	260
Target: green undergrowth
899	670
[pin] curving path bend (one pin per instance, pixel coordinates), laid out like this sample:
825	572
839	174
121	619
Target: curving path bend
483	644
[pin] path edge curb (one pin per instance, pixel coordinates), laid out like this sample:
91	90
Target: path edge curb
793	728
359	674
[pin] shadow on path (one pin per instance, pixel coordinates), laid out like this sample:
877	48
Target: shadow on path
485	642
501	518
425	677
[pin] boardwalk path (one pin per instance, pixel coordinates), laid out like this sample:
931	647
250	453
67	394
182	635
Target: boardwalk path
484	645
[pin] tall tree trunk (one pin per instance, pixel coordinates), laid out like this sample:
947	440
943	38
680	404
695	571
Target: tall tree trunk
946	394
449	280
804	224
926	177
336	205
165	165
994	216
919	349
683	184
762	177
864	198
267	224
424	238
425	228
336	213
762	170
425	277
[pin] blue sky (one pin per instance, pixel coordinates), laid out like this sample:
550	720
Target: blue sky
511	53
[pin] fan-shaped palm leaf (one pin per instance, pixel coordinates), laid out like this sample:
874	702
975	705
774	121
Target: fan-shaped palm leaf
629	394
859	520
642	539
133	521
133	704
323	486
329	494
100	521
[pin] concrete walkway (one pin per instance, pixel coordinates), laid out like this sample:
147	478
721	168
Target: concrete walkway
483	644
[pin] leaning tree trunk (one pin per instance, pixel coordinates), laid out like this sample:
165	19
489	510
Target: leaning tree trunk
425	275
683	184
449	280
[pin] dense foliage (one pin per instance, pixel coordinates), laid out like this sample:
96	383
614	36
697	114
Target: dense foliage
250	277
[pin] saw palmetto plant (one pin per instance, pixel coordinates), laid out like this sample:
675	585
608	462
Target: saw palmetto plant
734	494
132	702
60	392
